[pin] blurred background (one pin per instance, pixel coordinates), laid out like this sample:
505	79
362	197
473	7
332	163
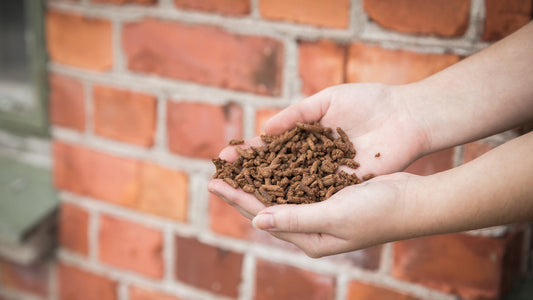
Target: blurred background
110	111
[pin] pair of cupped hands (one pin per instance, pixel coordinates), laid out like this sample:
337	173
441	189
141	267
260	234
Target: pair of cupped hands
378	120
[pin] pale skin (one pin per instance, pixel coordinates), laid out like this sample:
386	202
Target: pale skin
487	93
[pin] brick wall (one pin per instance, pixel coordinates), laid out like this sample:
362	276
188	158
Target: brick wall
144	92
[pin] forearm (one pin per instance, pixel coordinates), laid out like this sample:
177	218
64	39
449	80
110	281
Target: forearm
484	94
495	189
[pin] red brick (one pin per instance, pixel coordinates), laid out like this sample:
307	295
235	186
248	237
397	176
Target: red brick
136	293
67	104
432	163
131	246
367	63
207	267
437	17
469	266
76	284
29	279
226	7
364	291
124	115
504	17
475	149
321	64
226	220
73	228
278	281
206	55
202	130
333	13
262	115
144	2
79	41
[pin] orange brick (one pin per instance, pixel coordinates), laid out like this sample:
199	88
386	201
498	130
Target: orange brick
203	54
73	227
76	284
475	149
432	163
262	115
207	267
124	115
504	17
469	266
368	63
67	104
79	41
226	220
437	17
333	13
202	130
136	293
131	246
321	64
364	291
226	7
278	281
29	279
144	2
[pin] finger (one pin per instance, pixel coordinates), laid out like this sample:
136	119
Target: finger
315	245
246	203
230	153
308	110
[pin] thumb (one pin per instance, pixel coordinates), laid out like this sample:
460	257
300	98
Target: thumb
293	218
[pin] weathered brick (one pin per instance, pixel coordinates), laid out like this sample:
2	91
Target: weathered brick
207	267
144	2
504	17
202	130
365	291
469	266
438	17
73	228
333	13
367	63
261	116
131	246
79	41
432	163
136	293
67	104
206	55
226	7
320	64
278	281
475	149
76	284
28	279
124	115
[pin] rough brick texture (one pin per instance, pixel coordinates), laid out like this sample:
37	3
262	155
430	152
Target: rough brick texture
124	115
202	130
206	55
320	65
365	291
333	13
226	7
505	17
272	278
207	267
73	228
438	17
77	284
136	293
67	102
79	41
467	265
367	63
31	279
128	245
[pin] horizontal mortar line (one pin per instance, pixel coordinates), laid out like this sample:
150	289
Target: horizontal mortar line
115	148
176	288
10	293
174	89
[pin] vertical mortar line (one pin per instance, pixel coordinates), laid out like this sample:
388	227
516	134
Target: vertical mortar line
477	21
122	291
458	155
168	254
198	202
118	58
386	259
358	18
248	122
52	279
92	235
341	289
254	9
291	81
166	4
160	138
247	286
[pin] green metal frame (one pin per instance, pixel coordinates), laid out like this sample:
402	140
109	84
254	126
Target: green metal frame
33	121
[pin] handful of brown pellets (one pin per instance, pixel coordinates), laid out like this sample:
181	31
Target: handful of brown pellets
298	166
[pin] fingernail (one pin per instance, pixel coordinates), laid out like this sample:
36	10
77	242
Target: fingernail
263	221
